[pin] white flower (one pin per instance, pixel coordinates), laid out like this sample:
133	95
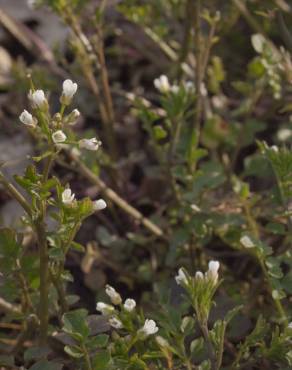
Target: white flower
162	84
149	328
246	241
38	99
284	134
113	294
129	304
181	277
199	275
115	323
69	89
212	273
274	148
174	89
195	208
68	197
99	205
27	119
59	137
89	144
104	308
290	325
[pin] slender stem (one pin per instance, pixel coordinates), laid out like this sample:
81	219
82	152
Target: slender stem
15	194
60	291
104	78
9	307
187	37
277	302
87	358
44	279
29	327
210	348
254	228
89	57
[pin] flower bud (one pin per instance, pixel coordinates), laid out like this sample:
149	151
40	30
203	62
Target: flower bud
113	294
68	197
99	205
104	308
38	99
162	84
69	90
89	144
129	304
72	118
181	277
213	270
27	119
199	275
59	137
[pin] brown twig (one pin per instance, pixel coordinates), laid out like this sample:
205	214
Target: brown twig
114	197
9	307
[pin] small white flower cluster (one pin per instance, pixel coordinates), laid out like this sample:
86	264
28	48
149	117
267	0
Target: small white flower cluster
116	299
128	306
38	101
68	198
163	85
211	274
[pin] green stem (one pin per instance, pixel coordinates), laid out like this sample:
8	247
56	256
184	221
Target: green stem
87	358
277	302
210	348
251	221
44	279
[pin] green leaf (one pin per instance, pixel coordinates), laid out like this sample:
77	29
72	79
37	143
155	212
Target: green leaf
75	322
36	353
197	347
159	132
233	312
98	341
43	156
74	351
77	247
101	360
46	365
9	249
